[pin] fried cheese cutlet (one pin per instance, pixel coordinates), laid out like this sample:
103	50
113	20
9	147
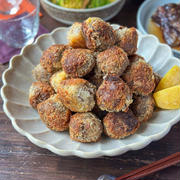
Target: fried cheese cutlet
119	125
77	62
75	36
139	76
56	78
77	94
41	74
113	95
98	34
85	127
38	92
51	57
143	107
54	114
112	61
127	38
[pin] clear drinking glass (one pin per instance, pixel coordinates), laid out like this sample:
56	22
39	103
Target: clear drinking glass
19	21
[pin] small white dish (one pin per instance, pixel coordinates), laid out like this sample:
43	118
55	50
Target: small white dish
146	10
18	78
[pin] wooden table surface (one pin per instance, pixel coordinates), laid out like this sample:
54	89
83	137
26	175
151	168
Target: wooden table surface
22	160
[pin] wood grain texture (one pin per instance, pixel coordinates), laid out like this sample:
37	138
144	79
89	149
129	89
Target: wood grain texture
21	160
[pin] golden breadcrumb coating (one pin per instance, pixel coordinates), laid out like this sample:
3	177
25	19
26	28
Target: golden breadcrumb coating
127	39
75	36
119	125
54	114
56	78
143	107
38	92
77	94
113	95
85	127
40	74
77	62
51	58
139	76
112	61
99	35
95	76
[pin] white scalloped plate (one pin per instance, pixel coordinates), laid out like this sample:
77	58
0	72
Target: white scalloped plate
18	78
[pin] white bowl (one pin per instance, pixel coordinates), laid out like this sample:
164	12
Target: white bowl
69	15
18	78
145	12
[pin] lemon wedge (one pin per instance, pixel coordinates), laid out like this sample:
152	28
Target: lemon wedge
171	78
168	98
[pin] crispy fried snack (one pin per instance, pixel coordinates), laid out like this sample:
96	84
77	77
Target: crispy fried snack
143	107
127	39
113	95
139	76
119	125
56	78
112	61
38	92
77	94
51	58
77	62
41	74
85	127
54	114
99	35
75	36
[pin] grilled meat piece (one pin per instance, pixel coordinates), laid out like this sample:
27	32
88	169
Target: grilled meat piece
168	18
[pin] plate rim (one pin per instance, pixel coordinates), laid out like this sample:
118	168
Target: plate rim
79	153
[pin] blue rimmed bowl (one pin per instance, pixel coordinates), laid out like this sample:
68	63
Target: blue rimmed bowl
145	12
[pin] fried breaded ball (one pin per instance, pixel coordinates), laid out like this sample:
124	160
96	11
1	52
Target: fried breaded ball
77	62
113	95
85	127
143	107
139	76
77	94
51	58
112	61
99	35
40	74
56	78
54	114
118	125
127	38
95	76
75	36
38	92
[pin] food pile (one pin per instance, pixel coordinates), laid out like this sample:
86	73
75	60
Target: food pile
94	84
81	4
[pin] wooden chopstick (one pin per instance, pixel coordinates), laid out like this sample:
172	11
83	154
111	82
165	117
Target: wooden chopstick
151	168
